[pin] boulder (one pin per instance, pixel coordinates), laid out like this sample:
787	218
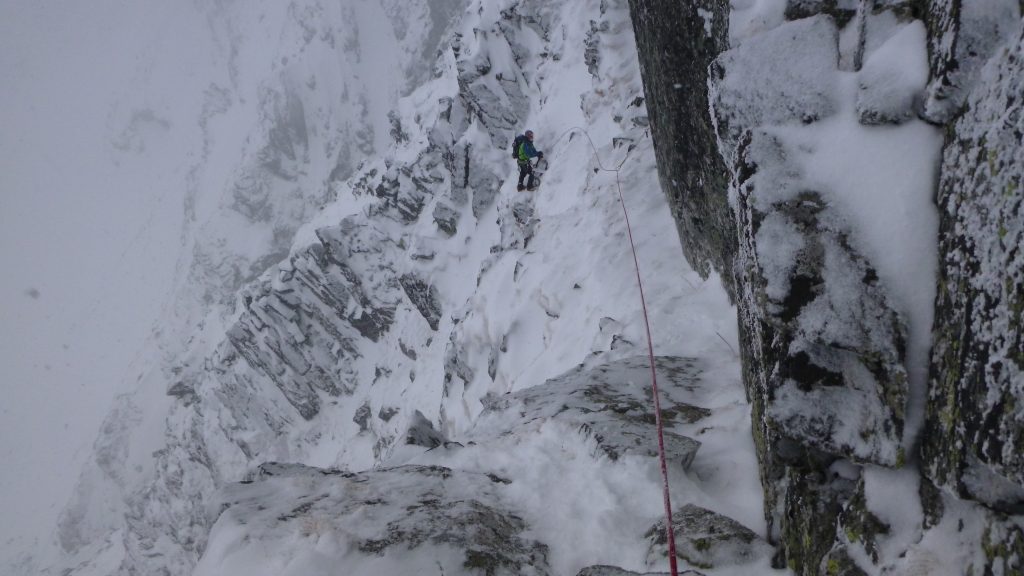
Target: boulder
706	539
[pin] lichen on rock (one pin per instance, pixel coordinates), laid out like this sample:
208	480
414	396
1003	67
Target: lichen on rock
975	437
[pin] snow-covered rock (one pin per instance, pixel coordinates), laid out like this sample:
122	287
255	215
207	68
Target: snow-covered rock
292	520
963	35
706	539
784	76
470	505
891	84
610	405
825	337
975	443
974	432
833	177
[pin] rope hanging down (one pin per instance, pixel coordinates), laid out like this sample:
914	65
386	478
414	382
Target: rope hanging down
669	532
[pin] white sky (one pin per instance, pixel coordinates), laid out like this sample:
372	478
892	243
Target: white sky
89	234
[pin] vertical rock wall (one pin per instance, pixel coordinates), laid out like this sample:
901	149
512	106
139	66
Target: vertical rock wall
830	405
677	41
973	445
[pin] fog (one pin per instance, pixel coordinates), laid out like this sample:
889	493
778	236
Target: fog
96	133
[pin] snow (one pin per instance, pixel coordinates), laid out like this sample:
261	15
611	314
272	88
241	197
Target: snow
784	75
891	208
748	18
894	77
778	246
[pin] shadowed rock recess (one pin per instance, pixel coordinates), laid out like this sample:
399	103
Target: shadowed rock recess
677	41
829	404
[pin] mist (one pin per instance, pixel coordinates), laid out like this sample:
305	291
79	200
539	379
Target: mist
93	163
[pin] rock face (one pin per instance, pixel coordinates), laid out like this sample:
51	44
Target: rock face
320	302
676	42
832	357
974	428
974	444
824	346
962	36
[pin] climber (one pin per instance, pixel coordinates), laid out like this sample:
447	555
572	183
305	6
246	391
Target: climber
523	151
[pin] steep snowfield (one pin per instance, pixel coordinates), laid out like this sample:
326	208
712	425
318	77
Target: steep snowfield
424	293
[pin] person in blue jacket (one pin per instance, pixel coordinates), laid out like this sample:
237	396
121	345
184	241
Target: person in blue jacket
524	153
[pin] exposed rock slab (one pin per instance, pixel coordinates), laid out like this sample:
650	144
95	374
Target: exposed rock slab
302	330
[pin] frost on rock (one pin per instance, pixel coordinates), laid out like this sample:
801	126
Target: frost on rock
826	377
833	345
391	521
974	443
963	35
783	76
706	539
824	344
321	304
892	81
610	404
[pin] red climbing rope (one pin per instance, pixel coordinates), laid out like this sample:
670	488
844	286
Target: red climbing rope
669	532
